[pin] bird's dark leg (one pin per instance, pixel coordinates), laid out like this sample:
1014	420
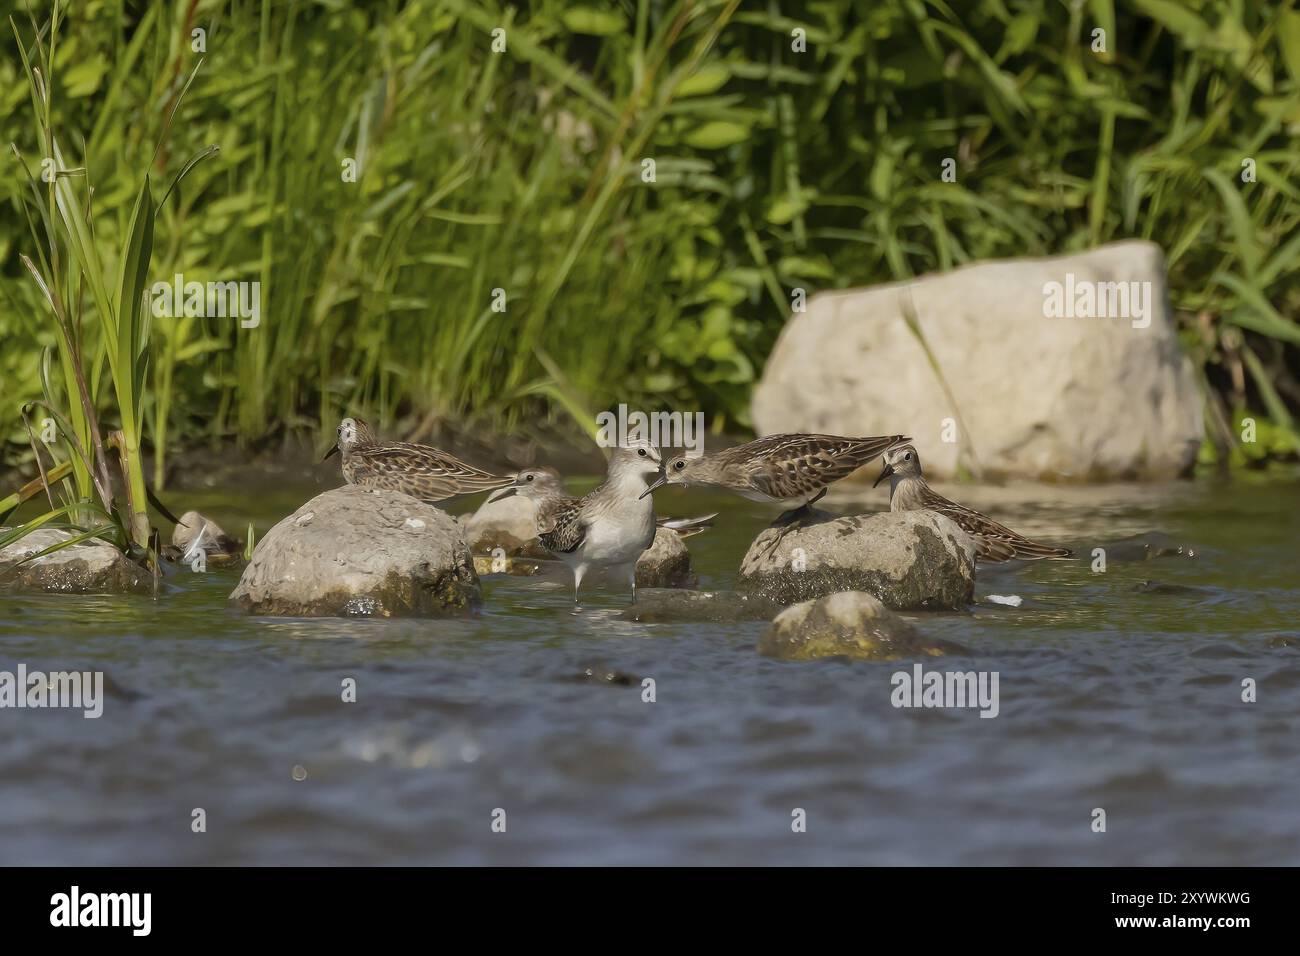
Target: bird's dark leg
792	520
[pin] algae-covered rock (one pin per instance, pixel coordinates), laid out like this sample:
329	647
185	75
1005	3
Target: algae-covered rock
910	560
88	567
848	624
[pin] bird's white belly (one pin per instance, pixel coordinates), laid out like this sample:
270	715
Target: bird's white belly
618	540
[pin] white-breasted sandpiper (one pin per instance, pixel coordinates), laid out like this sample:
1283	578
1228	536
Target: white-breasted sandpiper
608	528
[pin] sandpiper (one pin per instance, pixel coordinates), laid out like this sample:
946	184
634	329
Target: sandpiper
545	484
420	471
607	528
908	491
794	470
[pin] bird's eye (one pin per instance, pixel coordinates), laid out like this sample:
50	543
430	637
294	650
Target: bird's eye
641	452
679	465
530	477
907	457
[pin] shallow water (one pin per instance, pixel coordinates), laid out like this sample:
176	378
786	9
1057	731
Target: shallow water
1115	693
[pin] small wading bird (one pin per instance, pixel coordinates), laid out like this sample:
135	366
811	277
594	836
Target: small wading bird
794	470
908	491
607	528
544	485
420	471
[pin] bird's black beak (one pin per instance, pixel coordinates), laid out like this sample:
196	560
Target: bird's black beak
331	453
888	470
661	480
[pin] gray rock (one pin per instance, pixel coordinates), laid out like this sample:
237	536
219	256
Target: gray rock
1027	395
846	624
910	560
668	605
666	563
88	567
509	523
359	552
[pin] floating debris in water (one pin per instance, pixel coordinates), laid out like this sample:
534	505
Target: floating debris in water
299	772
1011	600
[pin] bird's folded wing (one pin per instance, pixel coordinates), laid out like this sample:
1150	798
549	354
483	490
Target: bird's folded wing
994	541
560	527
424	460
792	466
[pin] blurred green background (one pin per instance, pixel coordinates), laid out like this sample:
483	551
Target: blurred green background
524	171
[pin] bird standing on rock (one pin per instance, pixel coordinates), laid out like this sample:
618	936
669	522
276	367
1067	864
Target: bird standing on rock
908	491
789	469
793	469
420	471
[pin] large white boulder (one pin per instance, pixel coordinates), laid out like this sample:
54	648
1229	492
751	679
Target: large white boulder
1020	385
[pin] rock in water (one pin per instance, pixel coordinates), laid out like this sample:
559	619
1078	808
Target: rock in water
509	523
666	563
1036	389
910	560
88	567
846	624
359	552
677	605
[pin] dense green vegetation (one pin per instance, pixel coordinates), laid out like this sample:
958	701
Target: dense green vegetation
523	171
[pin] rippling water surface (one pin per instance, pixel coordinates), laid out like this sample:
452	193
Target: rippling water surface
1119	690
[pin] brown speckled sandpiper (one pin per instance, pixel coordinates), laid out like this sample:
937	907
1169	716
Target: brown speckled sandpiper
908	491
420	471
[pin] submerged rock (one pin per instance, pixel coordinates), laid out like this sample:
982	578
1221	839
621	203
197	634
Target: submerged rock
667	605
847	624
360	552
88	567
506	564
910	560
1146	547
217	546
666	563
1173	590
1039	360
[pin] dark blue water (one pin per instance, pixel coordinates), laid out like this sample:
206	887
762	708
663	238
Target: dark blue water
1119	690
